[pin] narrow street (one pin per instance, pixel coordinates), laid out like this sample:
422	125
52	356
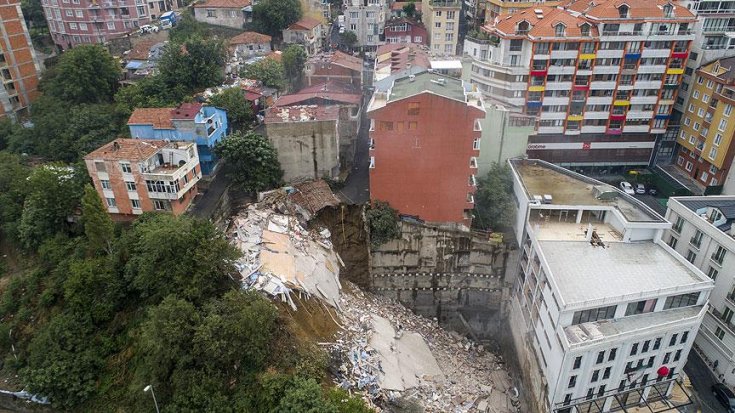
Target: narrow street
702	381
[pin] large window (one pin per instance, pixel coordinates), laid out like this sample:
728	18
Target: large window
682	300
640	307
595	314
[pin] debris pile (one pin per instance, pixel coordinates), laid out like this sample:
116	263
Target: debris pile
280	256
390	354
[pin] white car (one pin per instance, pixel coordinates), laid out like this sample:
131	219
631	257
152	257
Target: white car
627	188
148	28
342	30
640	189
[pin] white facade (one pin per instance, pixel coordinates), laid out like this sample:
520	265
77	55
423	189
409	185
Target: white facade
611	310
366	18
702	234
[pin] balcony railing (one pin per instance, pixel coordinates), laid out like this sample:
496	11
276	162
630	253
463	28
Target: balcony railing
622	33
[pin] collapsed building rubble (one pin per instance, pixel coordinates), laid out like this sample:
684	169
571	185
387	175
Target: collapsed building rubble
384	352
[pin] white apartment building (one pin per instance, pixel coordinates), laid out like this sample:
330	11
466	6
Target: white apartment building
366	18
703	233
607	312
714	39
441	18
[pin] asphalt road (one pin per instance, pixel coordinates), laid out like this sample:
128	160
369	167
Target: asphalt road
702	381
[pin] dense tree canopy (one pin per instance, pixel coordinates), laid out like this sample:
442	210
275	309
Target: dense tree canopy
84	74
239	110
494	199
193	65
382	221
294	59
251	161
272	16
268	71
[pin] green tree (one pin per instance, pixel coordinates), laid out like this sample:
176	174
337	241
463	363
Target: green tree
97	223
193	65
272	16
305	396
186	257
239	110
33	13
268	71
294	59
409	9
347	403
251	161
494	203
54	192
84	74
383	223
149	92
13	190
92	289
349	38
186	28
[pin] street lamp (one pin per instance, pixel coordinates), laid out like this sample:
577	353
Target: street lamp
150	388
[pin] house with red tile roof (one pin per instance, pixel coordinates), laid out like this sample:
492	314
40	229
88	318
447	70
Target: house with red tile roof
601	75
229	13
133	176
337	66
404	30
248	44
308	32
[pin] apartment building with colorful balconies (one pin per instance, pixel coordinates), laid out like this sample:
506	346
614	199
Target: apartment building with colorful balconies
75	22
706	149
602	76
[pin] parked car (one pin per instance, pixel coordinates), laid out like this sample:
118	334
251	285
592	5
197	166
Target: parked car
725	396
627	188
342	30
652	190
148	28
640	189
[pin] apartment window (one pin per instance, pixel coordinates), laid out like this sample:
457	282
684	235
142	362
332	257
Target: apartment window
595	376
385	126
691	107
559	30
640	307
473	162
634	349
723	125
111	202
712	273
684	337
657	344
717	140
691	256
233	13
696	126
448	37
719	333
73	26
667	357
728	109
111	25
678	225
705	98
125	167
650	361
135	203
700	112
476	144
606	373
689	166
450	14
438	25
695	94
372	162
105	184
211	13
646	345
449	27
590	393
413	108
130	186
712	153
69	13
719	255
696	240
438	13
577	362
682	300
673	241
595	314
612	354
687	121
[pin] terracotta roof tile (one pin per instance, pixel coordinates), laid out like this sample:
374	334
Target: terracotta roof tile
127	149
307	23
223	4
250	37
638	9
186	111
160	118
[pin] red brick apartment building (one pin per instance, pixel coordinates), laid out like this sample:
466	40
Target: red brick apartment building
133	176
19	67
425	136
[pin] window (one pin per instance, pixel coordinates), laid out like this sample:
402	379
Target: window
646	346
595	376
667	357
712	153
700	112
111	202
105	184
611	357
719	255
687	121
372	162
640	307
600	357
69	13
682	300
705	98
623	11
73	26
125	167
572	382
718	140
211	13
111	25
689	166
450	14
672	242
634	349
438	25
691	256
385	125
473	162
712	273
691	107
559	30
696	126
577	362
233	13
723	125
695	94
601	313
657	344
728	109
413	108
159	205
696	240
438	13
684	338
719	333
135	203
678	225
475	144
130	186
590	393
606	373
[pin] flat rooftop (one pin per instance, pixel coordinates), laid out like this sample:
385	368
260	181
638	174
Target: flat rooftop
593	276
569	188
588	333
569	231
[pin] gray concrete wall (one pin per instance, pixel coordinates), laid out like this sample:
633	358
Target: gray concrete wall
452	275
302	144
222	17
501	137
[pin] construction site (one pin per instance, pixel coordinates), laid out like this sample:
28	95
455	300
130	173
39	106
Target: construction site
408	339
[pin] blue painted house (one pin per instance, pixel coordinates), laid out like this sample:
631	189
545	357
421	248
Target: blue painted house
191	122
